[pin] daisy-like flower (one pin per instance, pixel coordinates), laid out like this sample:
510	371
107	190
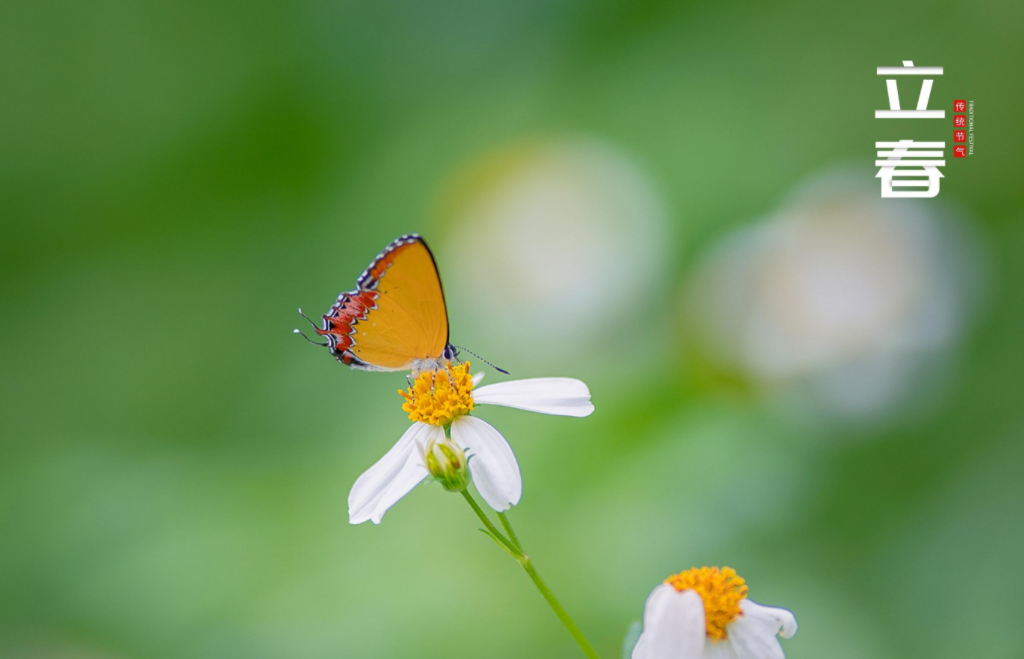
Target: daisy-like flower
705	614
445	440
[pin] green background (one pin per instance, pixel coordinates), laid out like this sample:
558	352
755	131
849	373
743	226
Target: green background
176	178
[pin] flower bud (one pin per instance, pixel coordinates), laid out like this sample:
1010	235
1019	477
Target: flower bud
446	462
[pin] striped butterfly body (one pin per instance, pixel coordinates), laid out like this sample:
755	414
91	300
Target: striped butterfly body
396	318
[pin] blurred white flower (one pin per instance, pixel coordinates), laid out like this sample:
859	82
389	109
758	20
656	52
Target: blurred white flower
839	288
705	614
564	230
439	403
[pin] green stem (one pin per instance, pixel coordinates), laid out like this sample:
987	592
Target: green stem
509	531
515	549
490	526
562	614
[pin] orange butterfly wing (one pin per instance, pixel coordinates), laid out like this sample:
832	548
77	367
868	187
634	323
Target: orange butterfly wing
396	317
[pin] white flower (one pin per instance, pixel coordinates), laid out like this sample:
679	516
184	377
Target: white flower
705	614
444	399
847	300
561	226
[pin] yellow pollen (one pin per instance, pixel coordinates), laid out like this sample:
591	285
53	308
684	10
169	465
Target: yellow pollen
438	397
721	589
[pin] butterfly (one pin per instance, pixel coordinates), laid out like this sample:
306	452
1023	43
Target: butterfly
396	318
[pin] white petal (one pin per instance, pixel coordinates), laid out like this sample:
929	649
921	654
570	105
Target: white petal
491	462
782	620
478	378
719	650
747	641
412	474
371	487
673	625
753	635
640	649
562	396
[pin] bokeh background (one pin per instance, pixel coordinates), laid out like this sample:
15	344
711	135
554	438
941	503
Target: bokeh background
674	202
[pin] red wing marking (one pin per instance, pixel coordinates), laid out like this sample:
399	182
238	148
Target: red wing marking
352	307
339	322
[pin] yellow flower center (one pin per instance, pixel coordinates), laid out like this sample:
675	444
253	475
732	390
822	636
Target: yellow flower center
721	589
438	397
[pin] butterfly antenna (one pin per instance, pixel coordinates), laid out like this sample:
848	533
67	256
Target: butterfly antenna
500	370
307	318
299	332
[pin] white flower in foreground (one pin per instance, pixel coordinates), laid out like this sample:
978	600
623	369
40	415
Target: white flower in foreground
443	399
705	614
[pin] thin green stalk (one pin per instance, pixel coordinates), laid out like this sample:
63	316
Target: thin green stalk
509	531
577	635
493	531
514	549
